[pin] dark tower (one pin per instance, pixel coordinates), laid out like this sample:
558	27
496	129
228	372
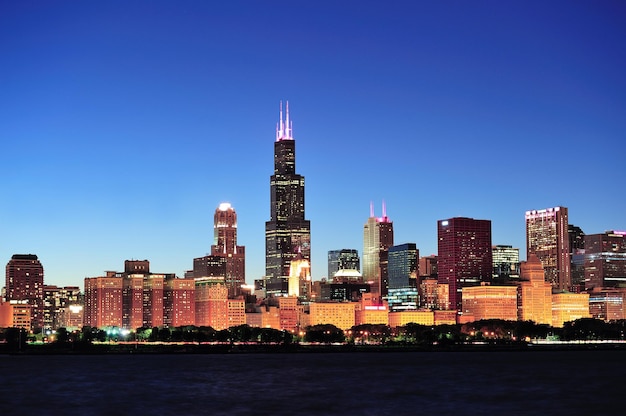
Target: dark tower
287	233
24	282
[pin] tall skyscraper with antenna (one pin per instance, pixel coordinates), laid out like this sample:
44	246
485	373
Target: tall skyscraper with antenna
225	245
287	233
377	238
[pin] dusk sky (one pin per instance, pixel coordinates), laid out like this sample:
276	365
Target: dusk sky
123	125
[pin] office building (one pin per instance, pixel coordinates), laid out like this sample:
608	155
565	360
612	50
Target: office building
568	307
180	302
605	260
103	301
464	255
535	294
56	304
24	283
287	233
577	257
489	302
344	259
225	245
505	262
547	237
211	302
377	238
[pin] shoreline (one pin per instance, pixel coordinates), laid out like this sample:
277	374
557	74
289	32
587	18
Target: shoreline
173	348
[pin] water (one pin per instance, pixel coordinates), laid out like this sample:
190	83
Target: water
398	383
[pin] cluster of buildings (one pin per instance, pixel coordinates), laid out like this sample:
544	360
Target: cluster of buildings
567	275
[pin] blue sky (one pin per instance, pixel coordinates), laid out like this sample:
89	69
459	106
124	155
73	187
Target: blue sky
123	125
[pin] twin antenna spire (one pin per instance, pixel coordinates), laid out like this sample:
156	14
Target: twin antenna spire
284	129
384	210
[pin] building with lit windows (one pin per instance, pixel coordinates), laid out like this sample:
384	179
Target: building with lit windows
547	237
103	302
225	245
577	257
180	302
15	314
402	318
402	273
236	312
211	302
428	266
288	313
568	307
605	260
24	282
287	233
377	238
505	262
344	259
489	302
56	301
464	255
340	314
535	294
607	304
369	310
299	283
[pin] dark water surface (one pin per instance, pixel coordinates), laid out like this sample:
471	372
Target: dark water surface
397	383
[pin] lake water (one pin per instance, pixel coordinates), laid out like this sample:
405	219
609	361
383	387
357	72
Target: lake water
395	383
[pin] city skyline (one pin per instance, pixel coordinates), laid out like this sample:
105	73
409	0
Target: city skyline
125	126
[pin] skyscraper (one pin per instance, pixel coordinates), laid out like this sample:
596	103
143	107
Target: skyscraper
377	238
547	237
287	233
465	256
225	245
605	260
24	282
403	271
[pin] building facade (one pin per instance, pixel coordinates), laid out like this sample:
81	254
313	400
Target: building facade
288	232
344	259
377	238
534	293
24	283
547	237
505	262
605	260
464	255
225	245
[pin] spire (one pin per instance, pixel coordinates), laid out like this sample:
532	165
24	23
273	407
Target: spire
371	209
384	209
287	124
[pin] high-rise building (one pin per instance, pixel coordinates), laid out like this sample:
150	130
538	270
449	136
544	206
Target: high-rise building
605	260
103	301
225	245
489	302
287	233
505	262
403	271
24	282
57	301
547	237
344	259
211	303
209	266
377	238
179	303
464	255
577	256
535	294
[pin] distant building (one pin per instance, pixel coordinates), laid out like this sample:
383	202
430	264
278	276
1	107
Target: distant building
607	304
344	259
370	310
287	233
103	302
24	282
428	266
605	260
57	301
568	307
179	303
535	294
577	257
464	255
225	245
377	238
547	237
340	314
489	302
401	318
211	302
505	262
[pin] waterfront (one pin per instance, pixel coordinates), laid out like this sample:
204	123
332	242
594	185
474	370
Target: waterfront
396	383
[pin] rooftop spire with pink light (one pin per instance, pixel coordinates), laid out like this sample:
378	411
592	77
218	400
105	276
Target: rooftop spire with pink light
284	127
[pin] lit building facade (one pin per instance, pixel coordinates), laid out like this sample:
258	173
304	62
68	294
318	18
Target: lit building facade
568	307
287	233
225	245
547	237
340	314
464	255
402	318
344	259
24	282
607	304
535	294
377	238
211	302
490	302
57	301
577	257
505	262
103	302
605	260
179	303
